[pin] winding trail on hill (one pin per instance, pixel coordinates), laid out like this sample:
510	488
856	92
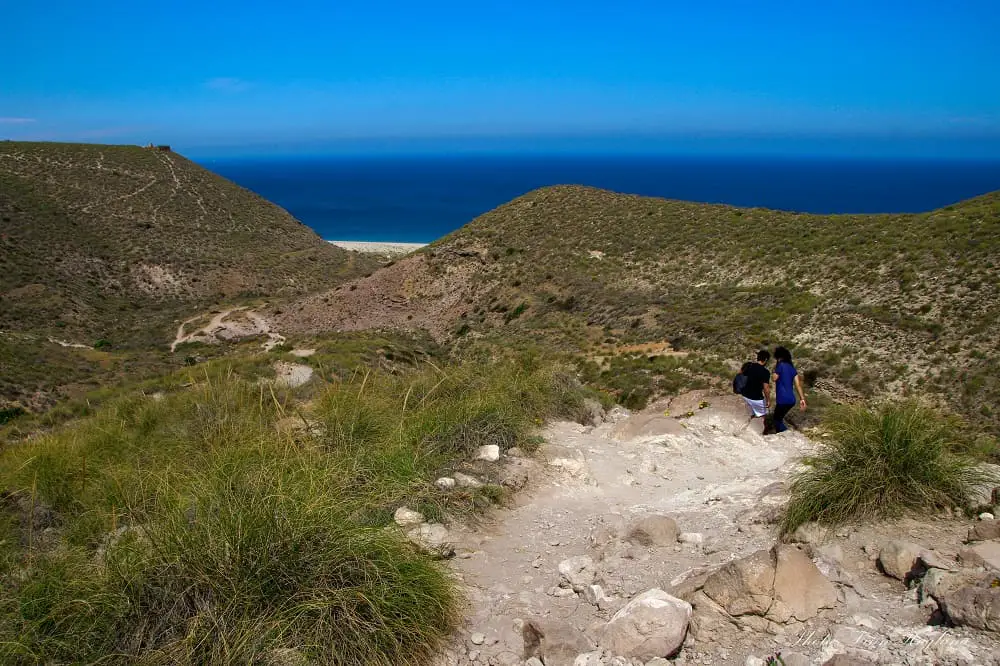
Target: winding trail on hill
221	327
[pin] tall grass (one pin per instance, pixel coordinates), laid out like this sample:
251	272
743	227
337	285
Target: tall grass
194	529
900	457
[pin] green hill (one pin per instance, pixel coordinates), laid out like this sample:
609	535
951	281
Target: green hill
870	304
114	243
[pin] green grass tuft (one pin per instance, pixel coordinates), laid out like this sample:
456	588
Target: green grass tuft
901	457
220	524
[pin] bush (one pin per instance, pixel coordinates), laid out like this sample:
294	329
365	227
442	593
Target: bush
901	457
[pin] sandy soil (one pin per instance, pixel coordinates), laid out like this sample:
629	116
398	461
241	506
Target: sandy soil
373	247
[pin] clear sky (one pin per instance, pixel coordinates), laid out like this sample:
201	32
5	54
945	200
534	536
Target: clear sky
217	76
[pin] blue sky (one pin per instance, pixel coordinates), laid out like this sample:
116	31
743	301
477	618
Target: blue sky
893	77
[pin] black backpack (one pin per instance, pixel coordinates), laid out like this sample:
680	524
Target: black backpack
740	380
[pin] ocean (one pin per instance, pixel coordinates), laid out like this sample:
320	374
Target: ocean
419	199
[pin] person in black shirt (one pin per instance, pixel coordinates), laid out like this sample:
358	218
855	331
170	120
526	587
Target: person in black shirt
757	392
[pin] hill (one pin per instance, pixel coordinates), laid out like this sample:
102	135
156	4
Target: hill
871	304
115	243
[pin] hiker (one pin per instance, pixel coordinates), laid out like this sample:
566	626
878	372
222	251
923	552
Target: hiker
757	389
786	384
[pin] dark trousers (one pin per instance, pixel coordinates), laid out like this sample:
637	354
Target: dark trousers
780	411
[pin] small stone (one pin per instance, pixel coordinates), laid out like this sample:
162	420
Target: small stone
984	531
445	483
693	538
515	452
489	453
534	661
594	595
473	655
655	530
986	515
466	481
753	661
898	558
432	538
405	517
477	638
561	592
577	572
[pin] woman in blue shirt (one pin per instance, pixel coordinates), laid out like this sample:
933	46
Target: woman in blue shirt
786	383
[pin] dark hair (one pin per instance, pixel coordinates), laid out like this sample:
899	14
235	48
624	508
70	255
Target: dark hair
782	354
763	356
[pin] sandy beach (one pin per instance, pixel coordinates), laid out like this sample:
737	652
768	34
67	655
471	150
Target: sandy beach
374	247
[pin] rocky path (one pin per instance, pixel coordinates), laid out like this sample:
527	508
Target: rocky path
723	485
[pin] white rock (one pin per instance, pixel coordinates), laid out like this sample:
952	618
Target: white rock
405	517
534	661
433	538
694	538
445	483
986	515
589	659
477	638
466	481
594	595
753	661
577	572
489	453
651	625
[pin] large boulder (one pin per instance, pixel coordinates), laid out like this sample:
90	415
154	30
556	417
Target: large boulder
744	586
938	583
800	590
655	530
984	530
976	605
780	584
651	625
555	643
899	558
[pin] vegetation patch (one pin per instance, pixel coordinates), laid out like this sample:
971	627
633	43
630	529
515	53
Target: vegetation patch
222	523
895	459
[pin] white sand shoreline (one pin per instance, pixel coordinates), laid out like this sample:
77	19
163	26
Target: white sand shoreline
377	247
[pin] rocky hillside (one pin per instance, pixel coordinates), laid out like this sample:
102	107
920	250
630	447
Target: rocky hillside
93	237
111	246
869	303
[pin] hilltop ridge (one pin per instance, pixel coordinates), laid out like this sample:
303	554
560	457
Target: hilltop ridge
110	246
871	303
93	232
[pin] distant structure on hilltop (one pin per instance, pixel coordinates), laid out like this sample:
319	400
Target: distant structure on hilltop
150	146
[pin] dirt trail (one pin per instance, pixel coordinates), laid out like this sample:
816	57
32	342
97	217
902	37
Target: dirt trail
222	327
707	471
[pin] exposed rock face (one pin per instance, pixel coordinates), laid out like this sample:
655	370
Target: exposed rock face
976	605
938	583
651	625
555	643
655	530
898	558
781	584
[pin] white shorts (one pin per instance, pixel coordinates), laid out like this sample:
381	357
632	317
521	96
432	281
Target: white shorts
756	407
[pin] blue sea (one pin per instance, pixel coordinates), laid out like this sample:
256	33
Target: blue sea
419	199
